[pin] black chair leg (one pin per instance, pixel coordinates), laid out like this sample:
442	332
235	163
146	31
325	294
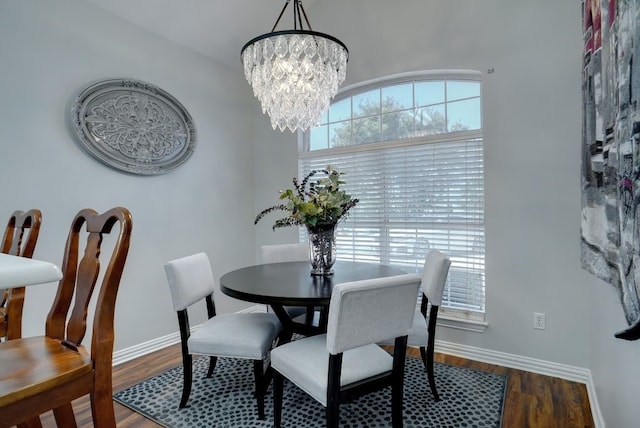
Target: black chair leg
278	382
333	391
432	379
396	405
258	374
427	359
397	381
187	364
333	414
212	365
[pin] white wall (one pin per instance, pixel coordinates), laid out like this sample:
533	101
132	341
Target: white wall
275	164
531	112
614	362
49	51
532	119
531	115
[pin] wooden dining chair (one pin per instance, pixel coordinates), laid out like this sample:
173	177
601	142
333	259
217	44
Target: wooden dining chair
235	335
346	361
20	237
44	373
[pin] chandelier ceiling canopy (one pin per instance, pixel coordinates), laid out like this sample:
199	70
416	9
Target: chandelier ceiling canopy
295	73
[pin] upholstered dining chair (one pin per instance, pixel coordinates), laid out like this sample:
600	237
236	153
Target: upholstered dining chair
423	330
279	253
346	361
20	237
44	373
236	335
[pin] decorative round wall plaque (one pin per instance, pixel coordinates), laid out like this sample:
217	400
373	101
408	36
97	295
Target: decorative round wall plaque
133	126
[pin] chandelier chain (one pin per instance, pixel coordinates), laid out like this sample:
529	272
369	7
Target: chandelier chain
304	14
280	16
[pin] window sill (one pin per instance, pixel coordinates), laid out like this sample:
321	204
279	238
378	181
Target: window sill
449	321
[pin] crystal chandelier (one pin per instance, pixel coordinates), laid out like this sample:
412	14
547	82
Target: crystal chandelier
295	73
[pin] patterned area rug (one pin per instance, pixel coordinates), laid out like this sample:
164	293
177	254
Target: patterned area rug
469	398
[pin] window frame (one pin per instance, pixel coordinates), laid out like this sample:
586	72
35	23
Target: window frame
453	317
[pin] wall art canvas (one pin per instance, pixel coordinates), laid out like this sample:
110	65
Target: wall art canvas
610	224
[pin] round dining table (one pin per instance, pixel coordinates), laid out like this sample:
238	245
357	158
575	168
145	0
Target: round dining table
292	284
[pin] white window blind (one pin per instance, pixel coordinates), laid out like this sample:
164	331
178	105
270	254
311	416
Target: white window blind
415	194
413	199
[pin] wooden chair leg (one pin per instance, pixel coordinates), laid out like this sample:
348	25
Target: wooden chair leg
278	386
187	365
212	365
258	374
64	416
31	423
14	316
102	408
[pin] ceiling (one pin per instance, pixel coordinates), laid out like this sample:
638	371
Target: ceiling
216	28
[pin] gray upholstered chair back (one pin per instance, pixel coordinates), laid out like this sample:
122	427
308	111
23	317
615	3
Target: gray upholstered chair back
279	253
434	276
370	311
190	280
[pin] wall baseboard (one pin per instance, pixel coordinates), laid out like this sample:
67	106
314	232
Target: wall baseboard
548	368
142	349
133	352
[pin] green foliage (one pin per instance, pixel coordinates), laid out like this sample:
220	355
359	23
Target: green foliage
396	125
322	204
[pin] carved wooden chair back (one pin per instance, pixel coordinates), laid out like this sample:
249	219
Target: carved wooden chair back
20	237
60	368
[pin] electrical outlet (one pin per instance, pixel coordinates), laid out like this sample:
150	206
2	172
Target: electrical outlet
539	321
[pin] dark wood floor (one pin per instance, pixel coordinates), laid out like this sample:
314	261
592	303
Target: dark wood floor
532	400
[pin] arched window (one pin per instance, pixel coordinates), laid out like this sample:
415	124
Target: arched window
411	148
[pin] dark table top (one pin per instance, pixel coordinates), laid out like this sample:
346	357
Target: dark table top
291	283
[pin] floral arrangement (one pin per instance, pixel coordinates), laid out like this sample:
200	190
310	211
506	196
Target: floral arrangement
323	204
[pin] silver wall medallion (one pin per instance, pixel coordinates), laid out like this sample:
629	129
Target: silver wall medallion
133	126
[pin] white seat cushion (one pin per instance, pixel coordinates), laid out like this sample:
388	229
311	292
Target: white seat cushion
235	335
418	333
305	362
